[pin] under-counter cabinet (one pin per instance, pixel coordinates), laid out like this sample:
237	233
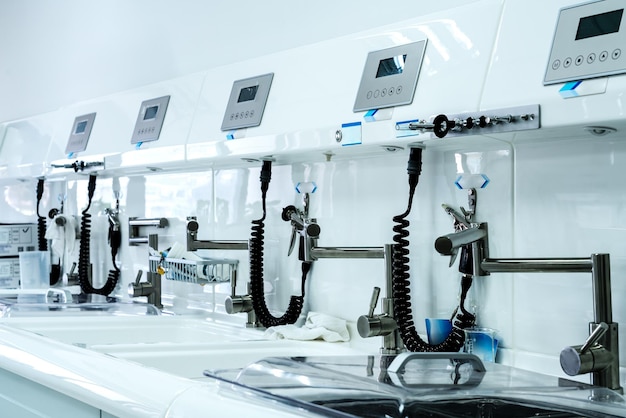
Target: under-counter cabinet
23	398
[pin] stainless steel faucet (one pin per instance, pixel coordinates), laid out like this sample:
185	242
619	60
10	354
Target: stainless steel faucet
599	355
367	325
234	303
383	325
152	287
193	243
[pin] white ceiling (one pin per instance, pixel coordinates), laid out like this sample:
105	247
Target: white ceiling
57	52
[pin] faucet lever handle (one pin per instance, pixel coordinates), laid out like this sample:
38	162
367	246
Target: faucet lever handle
138	278
374	301
597	333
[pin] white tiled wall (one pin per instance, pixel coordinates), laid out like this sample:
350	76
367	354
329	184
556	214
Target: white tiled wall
544	199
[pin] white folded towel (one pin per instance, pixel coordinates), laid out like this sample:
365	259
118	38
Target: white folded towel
317	326
63	236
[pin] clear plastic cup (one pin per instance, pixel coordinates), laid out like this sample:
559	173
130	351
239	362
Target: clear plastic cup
34	269
482	342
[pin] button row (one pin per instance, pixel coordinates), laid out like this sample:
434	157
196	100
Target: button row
242	115
590	59
384	92
146	131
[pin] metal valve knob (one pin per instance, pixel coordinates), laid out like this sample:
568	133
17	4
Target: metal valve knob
503	119
238	304
139	288
589	357
371	325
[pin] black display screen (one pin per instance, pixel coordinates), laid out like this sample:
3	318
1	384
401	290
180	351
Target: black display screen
391	66
151	112
80	127
247	93
600	24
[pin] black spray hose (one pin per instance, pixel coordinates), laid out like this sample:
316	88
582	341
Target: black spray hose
256	267
41	220
84	259
42	242
401	280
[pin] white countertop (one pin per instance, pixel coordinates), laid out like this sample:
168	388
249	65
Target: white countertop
127	388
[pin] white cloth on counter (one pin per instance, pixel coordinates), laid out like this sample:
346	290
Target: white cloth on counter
317	326
63	236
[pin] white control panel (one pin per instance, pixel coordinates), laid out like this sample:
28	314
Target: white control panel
79	136
589	41
15	238
9	273
390	76
150	120
247	102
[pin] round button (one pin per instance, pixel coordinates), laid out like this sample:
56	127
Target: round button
391	90
603	56
376	93
556	64
398	89
369	94
579	60
567	62
616	54
383	93
591	58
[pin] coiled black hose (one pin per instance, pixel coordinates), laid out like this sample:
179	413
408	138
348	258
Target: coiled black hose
256	267
401	281
42	242
84	258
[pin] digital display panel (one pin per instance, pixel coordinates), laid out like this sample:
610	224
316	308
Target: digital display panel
391	66
600	24
151	112
247	93
80	127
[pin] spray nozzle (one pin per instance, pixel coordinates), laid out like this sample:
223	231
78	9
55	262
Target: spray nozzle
266	171
91	188
266	175
414	166
40	183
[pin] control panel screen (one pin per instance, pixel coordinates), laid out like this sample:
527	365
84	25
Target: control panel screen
391	66
390	76
247	93
589	42
80	127
151	112
600	24
150	120
80	133
246	102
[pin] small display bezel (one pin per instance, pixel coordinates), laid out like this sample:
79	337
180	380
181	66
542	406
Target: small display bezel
381	88
150	120
247	101
80	133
